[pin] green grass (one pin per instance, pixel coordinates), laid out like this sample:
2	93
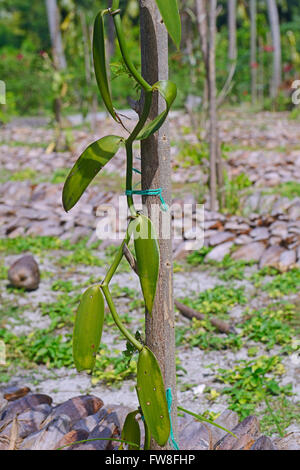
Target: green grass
283	284
250	382
271	326
290	189
217	301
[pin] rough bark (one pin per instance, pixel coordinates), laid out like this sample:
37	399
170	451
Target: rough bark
55	35
253	49
275	32
202	24
213	138
156	173
232	49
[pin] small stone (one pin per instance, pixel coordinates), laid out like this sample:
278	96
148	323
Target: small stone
243	240
72	437
260	233
289	442
221	237
194	436
25	273
263	443
279	229
271	256
13	393
219	252
103	430
287	260
247	432
228	419
236	227
29	422
30	401
250	252
49	436
77	408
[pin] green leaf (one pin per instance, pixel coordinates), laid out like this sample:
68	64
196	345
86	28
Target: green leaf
171	17
147	257
168	91
131	430
86	168
152	396
88	329
100	63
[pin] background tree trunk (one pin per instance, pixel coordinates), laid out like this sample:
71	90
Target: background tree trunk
202	24
275	31
59	63
253	52
156	173
55	35
232	49
213	134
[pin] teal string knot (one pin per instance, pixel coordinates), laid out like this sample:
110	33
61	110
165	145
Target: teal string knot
169	402
148	192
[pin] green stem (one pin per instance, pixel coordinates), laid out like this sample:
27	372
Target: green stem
200	418
129	149
116	261
276	421
122	42
115	4
147	439
117	320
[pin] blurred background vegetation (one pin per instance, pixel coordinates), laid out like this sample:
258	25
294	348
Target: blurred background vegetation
32	82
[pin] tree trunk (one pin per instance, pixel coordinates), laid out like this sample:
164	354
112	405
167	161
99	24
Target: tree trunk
59	60
232	49
253	47
156	173
202	24
275	31
55	35
213	138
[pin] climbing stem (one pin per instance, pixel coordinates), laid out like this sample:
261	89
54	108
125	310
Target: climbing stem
116	260
147	439
129	148
122	42
117	320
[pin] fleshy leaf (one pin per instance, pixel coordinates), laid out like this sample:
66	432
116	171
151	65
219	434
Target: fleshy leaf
147	257
152	396
131	430
168	91
88	329
100	63
171	17
89	163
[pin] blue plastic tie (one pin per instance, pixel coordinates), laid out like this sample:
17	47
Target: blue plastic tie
136	171
169	402
149	192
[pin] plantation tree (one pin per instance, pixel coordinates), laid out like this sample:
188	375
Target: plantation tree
253	50
202	24
275	32
156	173
59	60
212	93
206	21
232	49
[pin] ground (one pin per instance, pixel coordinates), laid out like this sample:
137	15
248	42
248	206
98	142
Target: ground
253	370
